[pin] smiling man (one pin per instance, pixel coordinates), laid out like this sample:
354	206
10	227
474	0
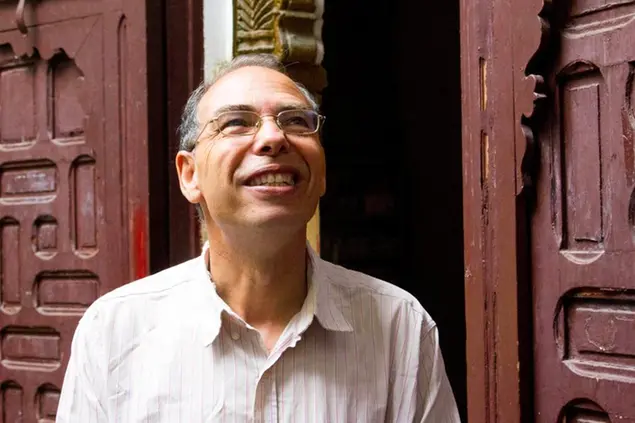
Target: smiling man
258	328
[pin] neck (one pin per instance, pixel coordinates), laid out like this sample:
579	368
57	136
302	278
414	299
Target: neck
261	277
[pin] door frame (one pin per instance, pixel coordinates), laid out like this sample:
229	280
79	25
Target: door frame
502	43
176	39
184	72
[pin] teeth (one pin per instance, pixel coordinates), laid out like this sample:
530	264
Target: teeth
273	179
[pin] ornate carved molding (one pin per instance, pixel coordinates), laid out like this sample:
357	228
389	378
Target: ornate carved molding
286	28
529	48
530	62
254	26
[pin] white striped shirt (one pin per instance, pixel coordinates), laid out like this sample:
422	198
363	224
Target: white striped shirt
168	349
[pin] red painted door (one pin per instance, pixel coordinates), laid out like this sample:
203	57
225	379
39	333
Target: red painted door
67	189
583	230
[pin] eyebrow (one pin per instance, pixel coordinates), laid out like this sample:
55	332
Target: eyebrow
248	108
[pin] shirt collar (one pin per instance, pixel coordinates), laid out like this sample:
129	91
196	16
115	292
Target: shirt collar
325	303
331	308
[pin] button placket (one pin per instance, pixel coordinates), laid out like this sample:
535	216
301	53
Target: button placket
266	397
271	397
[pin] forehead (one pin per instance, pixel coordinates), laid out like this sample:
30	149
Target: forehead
263	89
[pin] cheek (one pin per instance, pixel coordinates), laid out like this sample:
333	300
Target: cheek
217	165
210	183
317	164
213	163
205	166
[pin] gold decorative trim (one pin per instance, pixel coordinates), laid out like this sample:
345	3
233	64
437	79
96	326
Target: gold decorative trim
254	26
286	28
282	27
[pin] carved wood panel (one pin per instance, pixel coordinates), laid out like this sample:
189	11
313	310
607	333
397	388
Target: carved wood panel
62	198
40	12
583	238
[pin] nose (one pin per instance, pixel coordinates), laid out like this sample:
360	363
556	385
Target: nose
270	140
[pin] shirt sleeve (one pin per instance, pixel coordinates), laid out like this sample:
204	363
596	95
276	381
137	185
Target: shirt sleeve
83	397
436	402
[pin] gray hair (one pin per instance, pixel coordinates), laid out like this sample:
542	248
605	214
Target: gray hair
190	126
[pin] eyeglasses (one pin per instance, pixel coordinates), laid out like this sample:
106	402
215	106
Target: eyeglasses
245	122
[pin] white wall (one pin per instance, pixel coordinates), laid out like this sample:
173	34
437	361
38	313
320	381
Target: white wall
218	32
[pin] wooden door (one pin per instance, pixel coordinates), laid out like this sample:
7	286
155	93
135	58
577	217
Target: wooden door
583	229
73	121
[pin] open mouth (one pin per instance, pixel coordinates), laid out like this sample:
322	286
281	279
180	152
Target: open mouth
273	179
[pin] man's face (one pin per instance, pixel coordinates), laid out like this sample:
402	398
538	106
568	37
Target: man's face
238	178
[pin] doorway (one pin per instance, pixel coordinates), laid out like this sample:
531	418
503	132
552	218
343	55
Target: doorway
393	207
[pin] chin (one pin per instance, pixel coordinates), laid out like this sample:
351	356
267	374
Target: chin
280	221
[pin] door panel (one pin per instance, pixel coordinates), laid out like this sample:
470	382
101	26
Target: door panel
583	233
39	12
62	205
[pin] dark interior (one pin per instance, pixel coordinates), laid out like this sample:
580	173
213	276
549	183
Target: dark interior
392	137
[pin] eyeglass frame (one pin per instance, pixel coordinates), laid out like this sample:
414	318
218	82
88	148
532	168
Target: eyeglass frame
320	121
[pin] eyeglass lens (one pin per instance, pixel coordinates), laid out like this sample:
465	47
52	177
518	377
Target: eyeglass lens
246	122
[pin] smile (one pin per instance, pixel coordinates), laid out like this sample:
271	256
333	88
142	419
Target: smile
272	179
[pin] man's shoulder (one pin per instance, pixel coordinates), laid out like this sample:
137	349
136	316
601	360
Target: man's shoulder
152	289
160	283
353	284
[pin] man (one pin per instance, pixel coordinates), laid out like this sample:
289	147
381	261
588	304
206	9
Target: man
258	328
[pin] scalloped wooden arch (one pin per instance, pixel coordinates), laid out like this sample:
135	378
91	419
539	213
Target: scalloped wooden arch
503	47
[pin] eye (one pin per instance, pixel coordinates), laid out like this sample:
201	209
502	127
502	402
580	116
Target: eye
234	122
298	121
230	123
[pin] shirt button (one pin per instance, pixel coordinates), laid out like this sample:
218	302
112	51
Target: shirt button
235	335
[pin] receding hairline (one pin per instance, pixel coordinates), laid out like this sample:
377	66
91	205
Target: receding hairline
215	81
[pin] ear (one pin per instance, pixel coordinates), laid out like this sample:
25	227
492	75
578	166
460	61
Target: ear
323	179
188	177
323	186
